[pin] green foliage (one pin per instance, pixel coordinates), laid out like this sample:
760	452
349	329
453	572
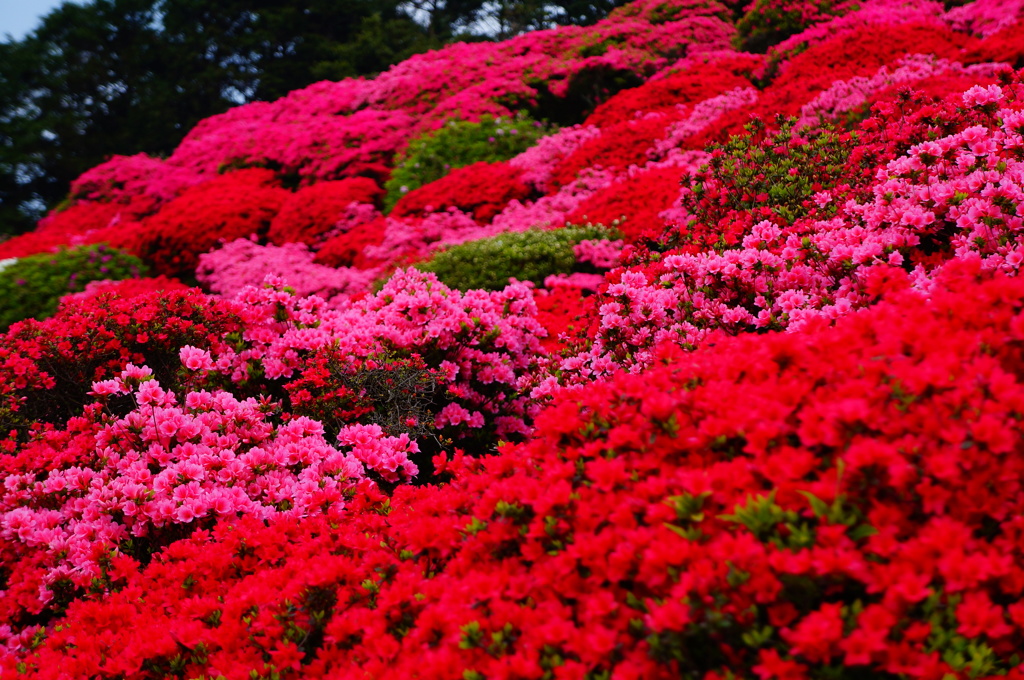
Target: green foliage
32	286
527	256
773	175
768	22
126	76
458	144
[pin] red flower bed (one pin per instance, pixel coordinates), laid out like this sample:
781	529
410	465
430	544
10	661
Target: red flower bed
638	198
687	87
228	207
858	508
346	249
481	189
313	211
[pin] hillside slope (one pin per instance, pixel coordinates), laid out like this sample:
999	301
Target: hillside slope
607	352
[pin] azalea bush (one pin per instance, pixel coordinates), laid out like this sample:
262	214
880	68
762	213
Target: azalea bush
311	214
235	205
481	190
48	367
244	263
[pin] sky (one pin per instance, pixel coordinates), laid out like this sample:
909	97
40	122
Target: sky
18	17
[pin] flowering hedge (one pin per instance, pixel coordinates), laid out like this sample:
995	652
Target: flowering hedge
654	526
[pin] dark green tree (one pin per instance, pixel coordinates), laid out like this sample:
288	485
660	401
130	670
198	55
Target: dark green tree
502	19
583	12
127	76
81	86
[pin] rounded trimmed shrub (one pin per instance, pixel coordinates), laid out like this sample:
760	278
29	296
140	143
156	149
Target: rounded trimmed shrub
527	256
458	144
32	286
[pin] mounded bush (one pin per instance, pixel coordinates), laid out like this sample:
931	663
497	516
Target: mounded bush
32	286
230	206
347	248
481	190
458	144
527	256
47	367
312	212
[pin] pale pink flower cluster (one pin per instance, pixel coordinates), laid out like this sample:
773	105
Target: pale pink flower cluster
601	253
243	262
413	238
163	464
846	95
580	280
985	17
963	190
388	456
539	161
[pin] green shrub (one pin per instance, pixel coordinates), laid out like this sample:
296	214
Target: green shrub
768	174
527	255
769	22
32	286
774	174
458	144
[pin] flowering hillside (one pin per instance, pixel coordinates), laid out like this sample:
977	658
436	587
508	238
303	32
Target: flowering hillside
689	344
